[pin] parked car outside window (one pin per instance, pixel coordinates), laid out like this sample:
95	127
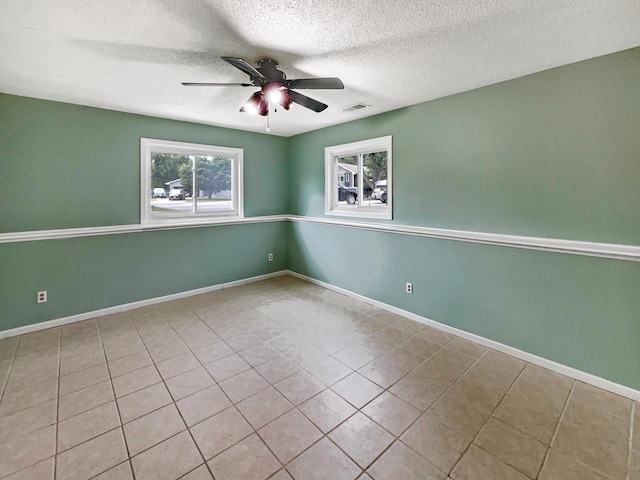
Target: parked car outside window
176	194
158	193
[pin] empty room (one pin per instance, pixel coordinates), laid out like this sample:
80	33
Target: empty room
311	240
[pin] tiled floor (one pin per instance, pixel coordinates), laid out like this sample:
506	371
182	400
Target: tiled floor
282	379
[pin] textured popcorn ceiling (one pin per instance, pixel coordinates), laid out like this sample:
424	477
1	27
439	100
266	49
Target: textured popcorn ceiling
131	55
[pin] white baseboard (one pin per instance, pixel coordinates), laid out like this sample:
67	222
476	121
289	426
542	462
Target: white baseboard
130	306
527	357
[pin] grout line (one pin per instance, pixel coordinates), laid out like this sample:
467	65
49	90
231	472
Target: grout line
55	457
115	400
631	432
555	432
473	442
13	359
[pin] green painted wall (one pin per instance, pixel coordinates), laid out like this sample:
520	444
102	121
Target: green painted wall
575	310
555	155
67	166
71	166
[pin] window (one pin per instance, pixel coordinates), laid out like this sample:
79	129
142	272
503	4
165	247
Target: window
358	179
187	182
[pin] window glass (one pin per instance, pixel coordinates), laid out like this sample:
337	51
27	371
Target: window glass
189	182
358	179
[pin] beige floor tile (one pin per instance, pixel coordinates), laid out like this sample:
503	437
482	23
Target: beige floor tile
436	442
27	450
122	348
84	378
203	404
227	367
463	417
43	470
512	447
263	407
152	429
634	460
535	402
249	459
27	421
93	457
200	473
143	401
85	399
601	400
259	354
136	380
129	363
289	435
281	475
190	382
327	410
8	347
477	464
329	371
391	412
87	425
436	336
243	341
80	362
277	369
361	438
19	381
221	431
427	382
213	352
420	346
177	365
605	455
170	459
357	390
243	385
306	355
383	372
299	387
560	467
402	463
119	472
394	334
323	461
443	393
167	350
474	350
15	401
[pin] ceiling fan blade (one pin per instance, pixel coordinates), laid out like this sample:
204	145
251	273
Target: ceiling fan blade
244	66
315	83
307	102
197	84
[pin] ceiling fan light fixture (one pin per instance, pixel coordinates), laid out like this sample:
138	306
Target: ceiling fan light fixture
256	105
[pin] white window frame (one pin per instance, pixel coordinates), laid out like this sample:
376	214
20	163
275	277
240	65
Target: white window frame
147	217
360	209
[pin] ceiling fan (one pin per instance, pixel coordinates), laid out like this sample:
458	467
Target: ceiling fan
274	86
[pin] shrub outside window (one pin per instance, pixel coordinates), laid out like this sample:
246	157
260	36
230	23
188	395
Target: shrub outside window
189	183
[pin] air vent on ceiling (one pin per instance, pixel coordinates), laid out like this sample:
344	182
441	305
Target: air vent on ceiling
355	106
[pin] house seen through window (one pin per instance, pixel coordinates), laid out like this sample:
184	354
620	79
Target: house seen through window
358	179
190	182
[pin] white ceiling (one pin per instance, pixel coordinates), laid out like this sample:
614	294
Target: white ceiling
131	55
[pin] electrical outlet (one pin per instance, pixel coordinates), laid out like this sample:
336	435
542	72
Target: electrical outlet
271	257
42	297
409	287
